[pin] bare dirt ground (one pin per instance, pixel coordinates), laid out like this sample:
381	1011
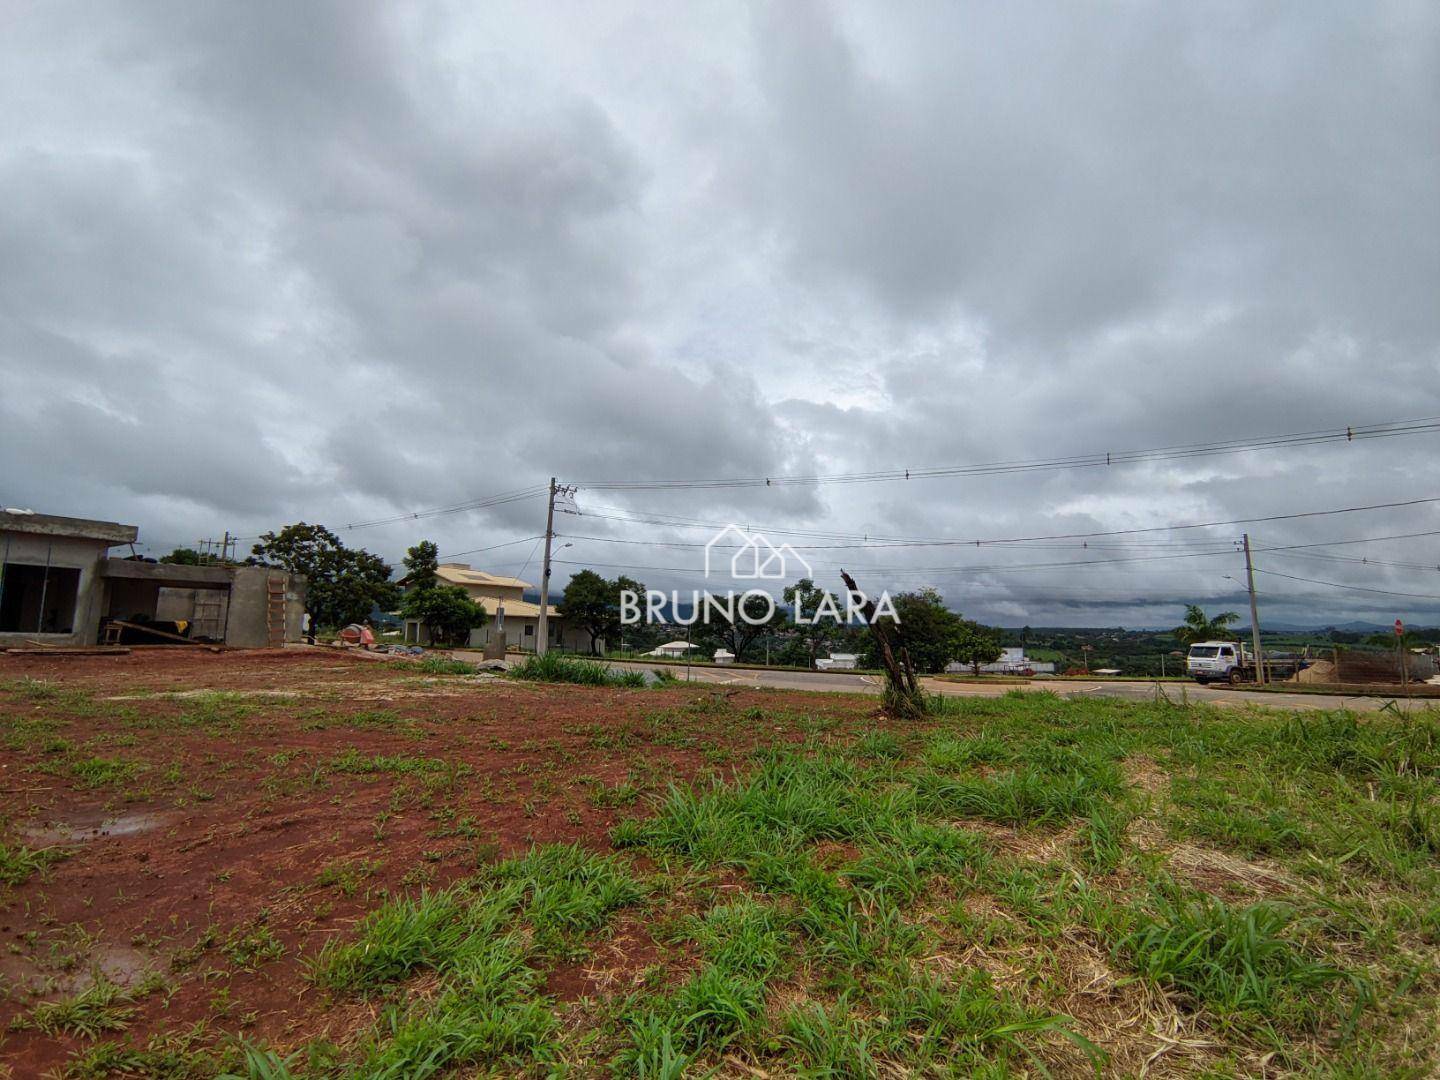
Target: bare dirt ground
208	854
249	803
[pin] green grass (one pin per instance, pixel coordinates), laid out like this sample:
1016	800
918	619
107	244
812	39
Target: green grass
102	1006
556	667
1234	959
104	772
355	761
18	863
835	895
481	938
440	665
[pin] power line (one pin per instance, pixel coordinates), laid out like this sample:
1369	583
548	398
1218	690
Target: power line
1006	568
484	503
1360	560
683	523
492	547
1352	588
1098	459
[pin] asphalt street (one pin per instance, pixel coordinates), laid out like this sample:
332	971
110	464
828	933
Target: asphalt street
845	682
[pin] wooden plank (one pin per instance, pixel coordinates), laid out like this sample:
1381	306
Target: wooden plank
156	633
75	650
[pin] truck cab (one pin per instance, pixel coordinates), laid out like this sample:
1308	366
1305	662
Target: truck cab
1216	661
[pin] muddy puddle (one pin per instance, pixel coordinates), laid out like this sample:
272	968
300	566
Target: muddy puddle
96	826
61	973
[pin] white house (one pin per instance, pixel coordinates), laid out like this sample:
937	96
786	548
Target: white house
1013	661
673	649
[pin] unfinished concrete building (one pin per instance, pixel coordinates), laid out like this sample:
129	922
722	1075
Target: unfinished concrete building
59	586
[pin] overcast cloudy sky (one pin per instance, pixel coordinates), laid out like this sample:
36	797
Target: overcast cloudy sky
266	262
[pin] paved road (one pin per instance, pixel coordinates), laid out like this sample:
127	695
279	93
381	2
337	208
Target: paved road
854	683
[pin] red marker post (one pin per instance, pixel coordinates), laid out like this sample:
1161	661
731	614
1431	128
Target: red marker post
1400	654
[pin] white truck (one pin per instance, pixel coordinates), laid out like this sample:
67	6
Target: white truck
1232	662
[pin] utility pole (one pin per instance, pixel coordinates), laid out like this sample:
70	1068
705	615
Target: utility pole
1254	614
542	641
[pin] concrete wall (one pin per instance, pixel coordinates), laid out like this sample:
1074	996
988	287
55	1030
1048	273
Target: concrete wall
571	640
138	586
68	552
249	626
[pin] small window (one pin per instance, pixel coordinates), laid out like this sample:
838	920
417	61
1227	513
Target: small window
1228	653
529	631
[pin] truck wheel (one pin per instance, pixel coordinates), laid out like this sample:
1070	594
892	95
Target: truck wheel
1201	681
1235	677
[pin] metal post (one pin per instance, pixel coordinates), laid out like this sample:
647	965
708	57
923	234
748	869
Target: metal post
4	562
1254	614
542	643
44	588
687	651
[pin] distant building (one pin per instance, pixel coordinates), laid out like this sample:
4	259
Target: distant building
838	661
1013	661
504	599
675	650
59	586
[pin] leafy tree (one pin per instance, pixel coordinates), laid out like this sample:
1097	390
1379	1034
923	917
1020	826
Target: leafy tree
975	645
593	604
447	612
805	596
1197	627
927	629
934	635
422	566
343	584
184	557
738	636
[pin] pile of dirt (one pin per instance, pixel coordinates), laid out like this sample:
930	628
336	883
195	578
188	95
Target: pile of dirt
1321	671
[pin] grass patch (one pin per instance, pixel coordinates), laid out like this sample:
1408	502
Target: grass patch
440	665
354	761
17	864
104	772
1235	960
102	1006
560	668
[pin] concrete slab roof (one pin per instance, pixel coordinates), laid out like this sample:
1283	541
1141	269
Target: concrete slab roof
111	532
166	573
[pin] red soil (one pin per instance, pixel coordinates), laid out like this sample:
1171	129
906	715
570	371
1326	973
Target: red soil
229	822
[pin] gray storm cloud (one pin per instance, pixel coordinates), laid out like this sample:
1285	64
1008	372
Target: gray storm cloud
344	261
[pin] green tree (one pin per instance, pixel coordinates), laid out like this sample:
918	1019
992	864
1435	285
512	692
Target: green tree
1197	627
592	604
975	645
805	597
759	618
447	612
184	557
926	628
343	584
422	566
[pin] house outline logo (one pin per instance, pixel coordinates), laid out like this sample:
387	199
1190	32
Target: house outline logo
756	558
